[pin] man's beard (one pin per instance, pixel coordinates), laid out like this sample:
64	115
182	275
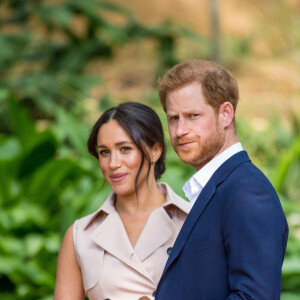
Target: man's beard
202	150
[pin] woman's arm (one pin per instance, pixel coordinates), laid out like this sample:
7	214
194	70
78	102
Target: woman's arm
68	276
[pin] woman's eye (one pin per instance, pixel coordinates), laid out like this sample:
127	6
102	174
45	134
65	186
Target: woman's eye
103	152
125	149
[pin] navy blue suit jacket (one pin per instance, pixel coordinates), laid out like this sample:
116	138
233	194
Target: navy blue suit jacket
232	243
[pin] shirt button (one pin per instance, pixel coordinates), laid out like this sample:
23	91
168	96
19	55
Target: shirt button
169	250
170	215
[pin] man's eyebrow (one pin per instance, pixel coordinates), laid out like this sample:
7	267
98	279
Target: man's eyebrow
171	113
185	111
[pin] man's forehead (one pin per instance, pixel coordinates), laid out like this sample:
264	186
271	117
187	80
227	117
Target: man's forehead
176	109
185	106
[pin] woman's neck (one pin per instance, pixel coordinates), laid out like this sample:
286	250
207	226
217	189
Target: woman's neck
146	200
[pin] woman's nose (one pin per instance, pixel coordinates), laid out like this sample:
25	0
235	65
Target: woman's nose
115	161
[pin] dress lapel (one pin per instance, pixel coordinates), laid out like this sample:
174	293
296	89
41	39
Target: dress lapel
157	231
112	237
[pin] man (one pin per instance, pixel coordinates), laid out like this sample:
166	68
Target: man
233	242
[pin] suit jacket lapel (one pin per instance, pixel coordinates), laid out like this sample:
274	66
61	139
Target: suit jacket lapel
205	196
200	204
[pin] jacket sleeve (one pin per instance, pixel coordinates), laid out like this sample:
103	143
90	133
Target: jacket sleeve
255	235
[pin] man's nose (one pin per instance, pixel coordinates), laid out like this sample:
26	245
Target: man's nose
182	127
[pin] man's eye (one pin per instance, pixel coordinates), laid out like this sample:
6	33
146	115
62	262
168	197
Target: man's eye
195	115
174	118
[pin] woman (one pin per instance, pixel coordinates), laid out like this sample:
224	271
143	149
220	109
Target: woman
119	251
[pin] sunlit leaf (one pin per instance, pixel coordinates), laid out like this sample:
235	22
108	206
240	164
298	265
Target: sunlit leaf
9	147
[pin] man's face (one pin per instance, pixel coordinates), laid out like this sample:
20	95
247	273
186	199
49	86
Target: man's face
194	127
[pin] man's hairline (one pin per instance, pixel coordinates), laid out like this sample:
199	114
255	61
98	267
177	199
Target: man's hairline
164	102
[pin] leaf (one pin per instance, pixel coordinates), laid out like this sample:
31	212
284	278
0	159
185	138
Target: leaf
52	177
52	243
291	273
58	15
76	134
21	123
36	275
290	295
11	245
9	148
41	152
33	243
4	185
8	264
24	214
285	162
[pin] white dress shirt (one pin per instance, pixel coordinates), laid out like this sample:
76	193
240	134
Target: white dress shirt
193	187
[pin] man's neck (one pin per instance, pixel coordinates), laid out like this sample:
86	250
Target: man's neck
230	141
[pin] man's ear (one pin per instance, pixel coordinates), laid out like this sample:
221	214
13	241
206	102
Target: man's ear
226	114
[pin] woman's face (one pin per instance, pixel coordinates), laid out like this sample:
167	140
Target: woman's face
119	159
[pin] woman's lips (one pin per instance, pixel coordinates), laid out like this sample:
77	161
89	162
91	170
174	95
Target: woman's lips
118	177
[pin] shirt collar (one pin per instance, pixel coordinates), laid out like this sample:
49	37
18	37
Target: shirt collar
196	183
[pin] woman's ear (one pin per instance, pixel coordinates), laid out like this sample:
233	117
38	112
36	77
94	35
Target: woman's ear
226	114
155	152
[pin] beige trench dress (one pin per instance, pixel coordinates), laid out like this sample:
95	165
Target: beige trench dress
111	268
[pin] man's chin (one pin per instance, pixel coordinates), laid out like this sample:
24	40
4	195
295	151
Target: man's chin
187	159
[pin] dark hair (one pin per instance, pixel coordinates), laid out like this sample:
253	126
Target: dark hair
218	84
144	127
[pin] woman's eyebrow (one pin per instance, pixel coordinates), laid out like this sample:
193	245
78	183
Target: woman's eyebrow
117	144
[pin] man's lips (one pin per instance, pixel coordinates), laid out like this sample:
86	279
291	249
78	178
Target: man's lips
185	143
117	177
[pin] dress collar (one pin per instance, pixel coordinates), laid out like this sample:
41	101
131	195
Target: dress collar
110	233
172	199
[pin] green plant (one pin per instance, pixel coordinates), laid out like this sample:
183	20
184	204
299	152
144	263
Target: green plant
42	193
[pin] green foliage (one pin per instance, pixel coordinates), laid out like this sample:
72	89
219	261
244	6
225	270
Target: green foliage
275	150
47	177
46	47
41	194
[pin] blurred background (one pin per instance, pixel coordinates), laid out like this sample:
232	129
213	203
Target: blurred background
63	62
